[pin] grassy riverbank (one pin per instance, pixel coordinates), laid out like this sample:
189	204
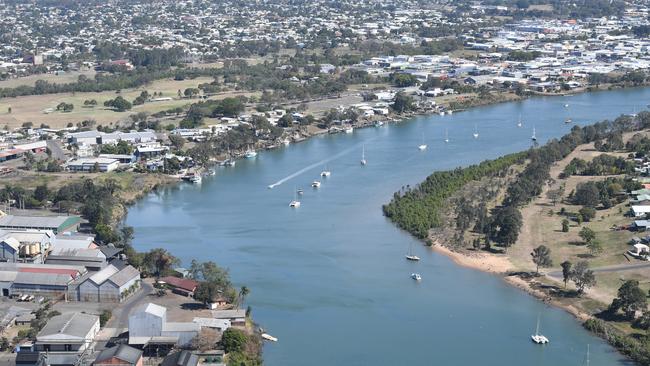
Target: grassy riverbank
493	222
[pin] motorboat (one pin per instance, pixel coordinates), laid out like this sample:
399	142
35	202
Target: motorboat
294	204
269	337
538	338
363	155
416	276
325	173
251	154
475	134
534	136
196	179
422	147
379	123
315	184
300	191
349	129
568	120
446	135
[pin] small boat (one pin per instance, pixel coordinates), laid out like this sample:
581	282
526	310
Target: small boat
269	337
410	256
422	146
446	135
475	131
349	129
566	106
538	338
379	123
363	155
315	184
196	179
231	162
587	357
416	276
325	173
534	136
568	120
441	113
295	203
300	191
251	154
286	142
519	124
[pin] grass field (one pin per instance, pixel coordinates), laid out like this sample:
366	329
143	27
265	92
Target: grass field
62	78
31	108
543	226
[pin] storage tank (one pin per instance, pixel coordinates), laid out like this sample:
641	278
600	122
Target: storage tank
35	249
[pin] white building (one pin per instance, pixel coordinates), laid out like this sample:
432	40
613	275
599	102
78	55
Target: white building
90	164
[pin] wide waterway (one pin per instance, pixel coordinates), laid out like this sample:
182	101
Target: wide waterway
329	279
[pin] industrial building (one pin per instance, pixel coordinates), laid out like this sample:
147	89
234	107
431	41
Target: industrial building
110	284
148	326
57	224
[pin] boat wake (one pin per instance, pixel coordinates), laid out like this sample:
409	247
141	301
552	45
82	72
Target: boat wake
315	165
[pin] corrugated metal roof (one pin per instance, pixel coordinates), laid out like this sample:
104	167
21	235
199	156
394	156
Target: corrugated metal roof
180	327
151	308
229	314
125	275
76	325
52	222
43	279
104	274
183	283
121	352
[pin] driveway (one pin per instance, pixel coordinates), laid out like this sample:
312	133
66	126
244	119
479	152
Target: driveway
56	149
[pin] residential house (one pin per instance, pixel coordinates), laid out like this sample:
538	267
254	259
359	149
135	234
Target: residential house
181	286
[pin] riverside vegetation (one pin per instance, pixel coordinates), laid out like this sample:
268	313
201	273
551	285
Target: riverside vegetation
421	211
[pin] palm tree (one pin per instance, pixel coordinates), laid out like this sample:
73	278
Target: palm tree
243	292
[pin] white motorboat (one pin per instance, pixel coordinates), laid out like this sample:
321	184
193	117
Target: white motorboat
519	124
196	179
231	162
475	132
294	204
422	146
568	120
300	191
534	136
379	123
566	106
315	184
349	129
538	338
269	337
446	135
416	276
286	142
250	154
325	173
363	155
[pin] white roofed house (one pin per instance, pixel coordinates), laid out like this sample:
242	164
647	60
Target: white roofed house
639	211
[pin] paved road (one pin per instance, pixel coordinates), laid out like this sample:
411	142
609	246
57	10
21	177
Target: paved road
120	320
606	269
57	150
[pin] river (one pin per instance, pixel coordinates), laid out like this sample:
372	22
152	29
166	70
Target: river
329	279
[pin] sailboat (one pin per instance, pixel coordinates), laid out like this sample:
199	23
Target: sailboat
423	146
519	122
587	357
295	203
534	137
475	131
446	135
410	256
538	338
416	276
363	155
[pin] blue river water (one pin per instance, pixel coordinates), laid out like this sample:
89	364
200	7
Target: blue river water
329	279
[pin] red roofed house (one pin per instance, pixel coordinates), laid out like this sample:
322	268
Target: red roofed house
181	286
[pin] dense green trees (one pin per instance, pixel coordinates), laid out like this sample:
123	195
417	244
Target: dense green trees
631	298
417	209
403	103
402	80
118	104
601	165
158	261
582	276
